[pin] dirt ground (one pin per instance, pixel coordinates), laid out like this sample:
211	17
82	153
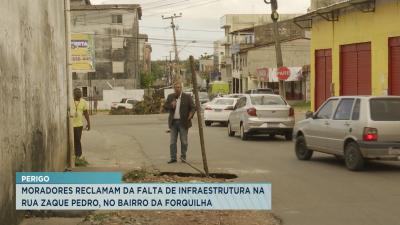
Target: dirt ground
182	218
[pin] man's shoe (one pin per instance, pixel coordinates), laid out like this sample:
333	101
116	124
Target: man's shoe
183	159
172	161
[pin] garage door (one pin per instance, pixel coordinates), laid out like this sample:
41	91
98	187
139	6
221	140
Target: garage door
394	66
323	76
355	67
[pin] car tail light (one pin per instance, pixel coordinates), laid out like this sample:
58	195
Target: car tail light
370	134
229	108
208	108
252	112
291	112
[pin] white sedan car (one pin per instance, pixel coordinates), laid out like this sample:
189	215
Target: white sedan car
261	114
218	110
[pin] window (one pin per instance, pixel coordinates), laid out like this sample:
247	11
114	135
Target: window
118	67
326	111
385	109
267	100
343	111
117	43
224	102
241	103
84	92
356	110
133	102
117	19
80	20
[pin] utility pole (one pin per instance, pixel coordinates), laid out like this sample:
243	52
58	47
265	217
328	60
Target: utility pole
199	117
177	70
278	50
70	98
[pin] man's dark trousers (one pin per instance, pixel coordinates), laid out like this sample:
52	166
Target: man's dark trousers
77	141
178	128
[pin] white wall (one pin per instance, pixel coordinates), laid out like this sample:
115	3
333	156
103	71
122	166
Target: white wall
110	96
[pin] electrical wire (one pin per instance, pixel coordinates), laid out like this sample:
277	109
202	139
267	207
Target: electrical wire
180	9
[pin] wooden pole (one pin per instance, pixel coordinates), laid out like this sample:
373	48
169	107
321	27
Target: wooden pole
199	118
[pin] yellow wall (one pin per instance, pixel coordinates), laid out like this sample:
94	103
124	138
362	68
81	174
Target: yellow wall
356	27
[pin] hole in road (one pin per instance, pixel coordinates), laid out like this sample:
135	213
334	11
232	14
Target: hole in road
227	176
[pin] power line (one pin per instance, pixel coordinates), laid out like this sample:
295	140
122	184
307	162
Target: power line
180	9
200	30
169	4
161	28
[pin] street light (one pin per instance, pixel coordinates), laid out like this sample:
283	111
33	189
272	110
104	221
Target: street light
191	42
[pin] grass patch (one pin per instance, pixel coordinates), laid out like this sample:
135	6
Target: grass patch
81	162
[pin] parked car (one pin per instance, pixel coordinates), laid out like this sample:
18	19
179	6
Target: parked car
260	91
234	95
203	97
124	105
261	114
218	110
352	127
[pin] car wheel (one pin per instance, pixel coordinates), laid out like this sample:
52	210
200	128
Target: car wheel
302	152
243	134
208	123
289	136
230	132
353	157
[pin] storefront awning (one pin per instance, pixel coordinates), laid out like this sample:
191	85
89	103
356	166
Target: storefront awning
331	13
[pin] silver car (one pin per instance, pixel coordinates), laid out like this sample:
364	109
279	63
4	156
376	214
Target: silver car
356	128
261	114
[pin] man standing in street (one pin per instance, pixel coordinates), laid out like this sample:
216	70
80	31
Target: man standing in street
79	109
181	111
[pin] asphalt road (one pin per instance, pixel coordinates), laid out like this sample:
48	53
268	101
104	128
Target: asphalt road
321	191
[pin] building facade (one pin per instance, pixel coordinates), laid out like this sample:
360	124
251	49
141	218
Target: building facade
219	55
237	38
115	29
254	59
230	23
144	53
355	49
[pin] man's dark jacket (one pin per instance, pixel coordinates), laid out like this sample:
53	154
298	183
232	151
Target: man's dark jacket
187	106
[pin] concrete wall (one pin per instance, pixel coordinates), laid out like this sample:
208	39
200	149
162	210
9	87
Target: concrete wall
116	95
33	131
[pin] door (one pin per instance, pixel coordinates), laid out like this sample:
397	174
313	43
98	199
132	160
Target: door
394	66
235	115
340	125
323	76
355	69
317	131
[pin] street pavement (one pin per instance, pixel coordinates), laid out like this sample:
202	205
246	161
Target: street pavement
321	191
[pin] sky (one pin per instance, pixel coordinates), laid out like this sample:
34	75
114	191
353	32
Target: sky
200	21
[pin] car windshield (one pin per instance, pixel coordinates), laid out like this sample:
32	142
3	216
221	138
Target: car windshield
203	95
223	101
387	109
267	100
264	91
